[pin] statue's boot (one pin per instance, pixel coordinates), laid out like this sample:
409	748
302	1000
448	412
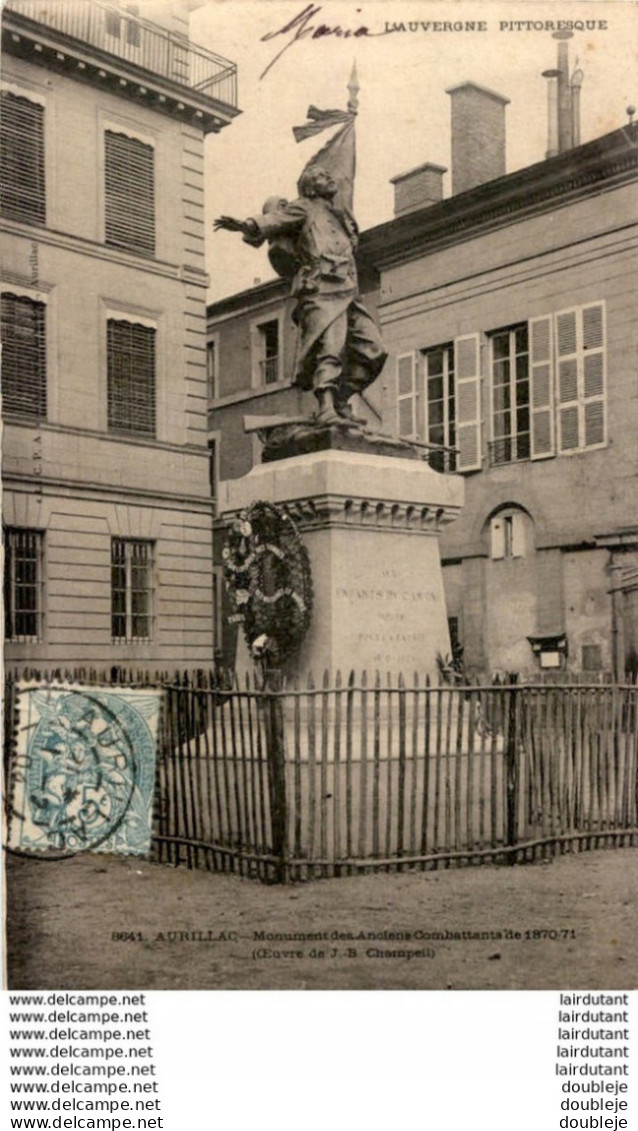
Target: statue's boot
347	413
326	411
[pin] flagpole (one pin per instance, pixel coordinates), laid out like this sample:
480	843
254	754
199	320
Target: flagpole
353	88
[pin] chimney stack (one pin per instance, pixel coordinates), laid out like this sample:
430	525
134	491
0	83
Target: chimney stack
478	135
575	84
552	112
563	100
418	188
564	93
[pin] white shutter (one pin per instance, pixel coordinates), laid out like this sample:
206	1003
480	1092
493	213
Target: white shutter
567	380
594	431
541	388
407	420
497	537
580	351
467	368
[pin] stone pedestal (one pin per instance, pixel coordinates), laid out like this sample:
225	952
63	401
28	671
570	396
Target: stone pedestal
371	525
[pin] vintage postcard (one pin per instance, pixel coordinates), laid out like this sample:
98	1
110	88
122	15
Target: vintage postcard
319	494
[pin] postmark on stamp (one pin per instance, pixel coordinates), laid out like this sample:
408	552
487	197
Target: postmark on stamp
82	771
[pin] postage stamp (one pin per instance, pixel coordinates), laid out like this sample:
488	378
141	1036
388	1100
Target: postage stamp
82	771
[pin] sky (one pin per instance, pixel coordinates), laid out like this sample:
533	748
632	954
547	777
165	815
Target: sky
404	112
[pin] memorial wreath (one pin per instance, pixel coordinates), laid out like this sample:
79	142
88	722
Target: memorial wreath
267	572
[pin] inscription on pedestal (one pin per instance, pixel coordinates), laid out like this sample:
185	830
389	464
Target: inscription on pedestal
388	616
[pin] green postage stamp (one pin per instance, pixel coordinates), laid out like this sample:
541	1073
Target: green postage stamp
82	771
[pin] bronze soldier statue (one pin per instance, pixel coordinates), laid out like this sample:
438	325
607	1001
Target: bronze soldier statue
313	242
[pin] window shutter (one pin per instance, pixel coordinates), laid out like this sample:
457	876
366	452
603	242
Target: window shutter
129	194
567	391
24	386
22	185
131	377
407	396
594	375
580	351
497	538
541	388
467	356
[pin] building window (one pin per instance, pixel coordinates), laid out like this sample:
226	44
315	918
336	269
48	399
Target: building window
212	384
129	194
131	589
510	395
440	405
23	357
268	352
507	535
23	584
580	352
130	377
439	402
22	186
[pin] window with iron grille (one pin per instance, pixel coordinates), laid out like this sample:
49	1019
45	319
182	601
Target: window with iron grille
130	351
131	589
24	386
22	184
510	395
23	584
129	193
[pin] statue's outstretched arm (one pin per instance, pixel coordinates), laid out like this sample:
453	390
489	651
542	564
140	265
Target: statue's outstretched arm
228	224
284	221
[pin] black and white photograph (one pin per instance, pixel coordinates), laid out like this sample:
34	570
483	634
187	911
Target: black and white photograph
319	461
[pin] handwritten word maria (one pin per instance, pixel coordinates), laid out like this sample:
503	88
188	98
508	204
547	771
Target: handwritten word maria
301	27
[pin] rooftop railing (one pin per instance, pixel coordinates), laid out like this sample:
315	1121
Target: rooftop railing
138	41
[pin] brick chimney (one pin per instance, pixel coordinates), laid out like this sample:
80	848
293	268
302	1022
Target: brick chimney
478	135
418	188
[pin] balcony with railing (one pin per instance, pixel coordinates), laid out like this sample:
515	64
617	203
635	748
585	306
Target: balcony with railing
509	449
143	46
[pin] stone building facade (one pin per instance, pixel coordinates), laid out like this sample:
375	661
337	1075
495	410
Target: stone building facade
107	510
508	313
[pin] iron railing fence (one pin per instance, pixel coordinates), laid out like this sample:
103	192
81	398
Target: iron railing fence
358	775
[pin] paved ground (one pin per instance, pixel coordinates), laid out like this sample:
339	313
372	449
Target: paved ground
64	918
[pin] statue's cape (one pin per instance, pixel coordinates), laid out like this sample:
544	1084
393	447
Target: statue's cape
319	312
